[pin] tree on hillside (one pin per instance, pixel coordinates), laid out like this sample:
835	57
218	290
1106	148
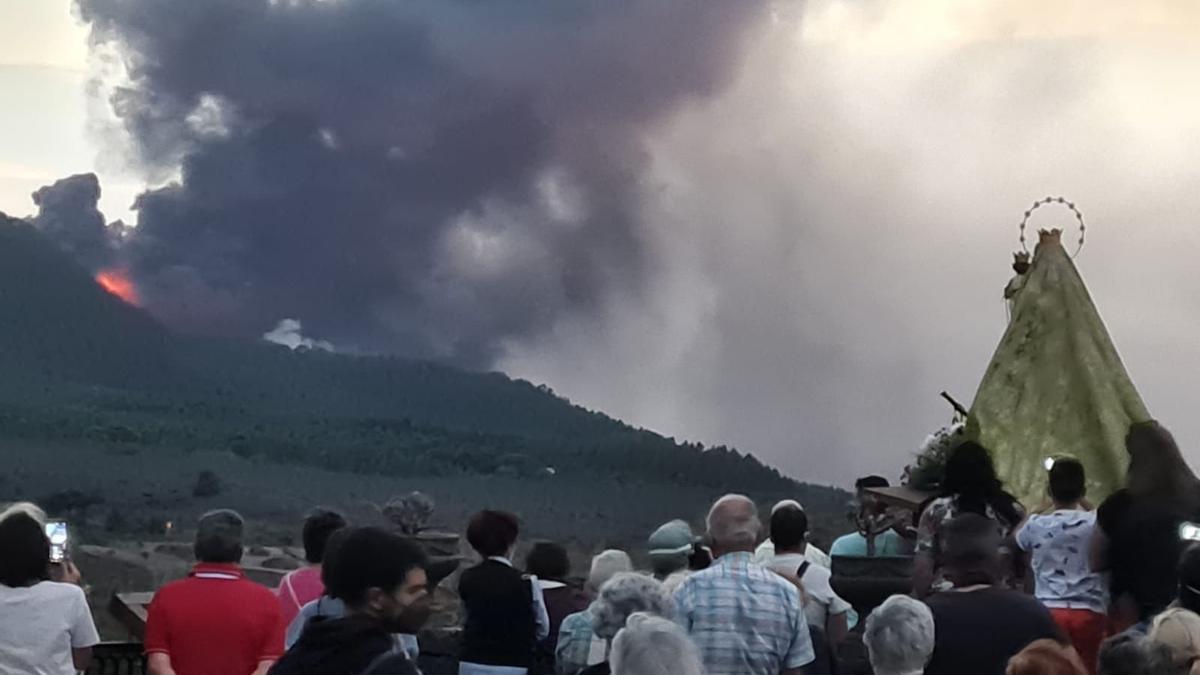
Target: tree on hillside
207	485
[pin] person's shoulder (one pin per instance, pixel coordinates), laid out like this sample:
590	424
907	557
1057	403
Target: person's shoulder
1071	518
576	620
295	575
257	592
490	568
937	601
701	576
710	578
984	600
693	580
57	591
1116	501
765	578
1039	521
396	663
816	555
173	589
817	574
999	596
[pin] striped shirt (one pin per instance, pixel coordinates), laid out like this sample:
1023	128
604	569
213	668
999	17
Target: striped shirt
745	619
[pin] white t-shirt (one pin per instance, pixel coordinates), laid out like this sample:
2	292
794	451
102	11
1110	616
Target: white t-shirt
40	625
819	599
766	552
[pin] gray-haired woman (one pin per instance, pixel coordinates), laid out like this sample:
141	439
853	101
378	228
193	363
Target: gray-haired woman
578	647
624	595
652	645
899	636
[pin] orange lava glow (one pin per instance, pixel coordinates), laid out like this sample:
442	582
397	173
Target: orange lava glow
117	282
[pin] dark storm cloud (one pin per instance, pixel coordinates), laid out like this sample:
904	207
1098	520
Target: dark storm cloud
429	178
68	213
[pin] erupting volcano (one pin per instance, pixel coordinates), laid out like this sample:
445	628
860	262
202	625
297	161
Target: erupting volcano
117	282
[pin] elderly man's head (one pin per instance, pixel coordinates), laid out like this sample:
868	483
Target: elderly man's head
733	524
899	636
971	550
219	537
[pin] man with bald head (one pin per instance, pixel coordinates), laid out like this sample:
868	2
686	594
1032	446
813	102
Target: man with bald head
745	619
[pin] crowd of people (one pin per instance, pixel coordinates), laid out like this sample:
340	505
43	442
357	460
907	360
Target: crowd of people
1061	589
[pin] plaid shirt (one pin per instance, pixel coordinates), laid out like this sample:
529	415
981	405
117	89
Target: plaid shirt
745	619
576	644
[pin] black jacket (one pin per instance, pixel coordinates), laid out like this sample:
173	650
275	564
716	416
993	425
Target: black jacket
500	629
352	645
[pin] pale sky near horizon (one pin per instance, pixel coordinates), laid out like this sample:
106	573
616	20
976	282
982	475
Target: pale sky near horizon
833	231
44	132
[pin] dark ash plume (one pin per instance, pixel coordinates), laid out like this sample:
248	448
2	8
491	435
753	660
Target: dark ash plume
427	178
68	213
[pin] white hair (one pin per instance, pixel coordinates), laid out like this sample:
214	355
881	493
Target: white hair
1179	630
605	566
652	645
899	636
625	594
784	504
733	522
28	508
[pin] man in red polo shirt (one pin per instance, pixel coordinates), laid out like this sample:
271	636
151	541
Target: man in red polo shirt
215	622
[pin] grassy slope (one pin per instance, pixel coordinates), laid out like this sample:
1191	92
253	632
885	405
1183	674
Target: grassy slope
98	396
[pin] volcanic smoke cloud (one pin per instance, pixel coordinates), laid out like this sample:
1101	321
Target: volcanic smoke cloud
68	214
430	178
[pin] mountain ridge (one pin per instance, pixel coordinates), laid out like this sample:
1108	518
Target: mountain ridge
82	364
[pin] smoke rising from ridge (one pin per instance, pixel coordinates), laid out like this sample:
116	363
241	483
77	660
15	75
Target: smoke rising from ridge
68	213
783	227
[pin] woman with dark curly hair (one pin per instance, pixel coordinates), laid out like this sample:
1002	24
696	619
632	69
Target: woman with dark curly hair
969	485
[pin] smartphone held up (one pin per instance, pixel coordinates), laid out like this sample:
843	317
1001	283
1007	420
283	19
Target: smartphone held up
56	532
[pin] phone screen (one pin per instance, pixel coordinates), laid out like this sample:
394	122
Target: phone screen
56	532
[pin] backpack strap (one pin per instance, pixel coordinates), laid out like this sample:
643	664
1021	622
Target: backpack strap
802	569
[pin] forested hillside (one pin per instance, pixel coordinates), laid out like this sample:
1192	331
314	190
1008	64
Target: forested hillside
80	364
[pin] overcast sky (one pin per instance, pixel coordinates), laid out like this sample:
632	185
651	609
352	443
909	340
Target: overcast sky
829	233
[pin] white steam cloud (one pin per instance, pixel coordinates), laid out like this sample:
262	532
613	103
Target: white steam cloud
289	334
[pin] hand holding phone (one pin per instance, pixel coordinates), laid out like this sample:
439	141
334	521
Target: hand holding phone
56	532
